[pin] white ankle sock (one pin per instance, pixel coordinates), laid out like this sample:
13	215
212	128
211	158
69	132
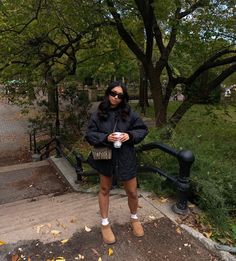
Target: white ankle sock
134	216
105	221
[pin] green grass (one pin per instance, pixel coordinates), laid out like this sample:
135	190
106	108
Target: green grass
210	133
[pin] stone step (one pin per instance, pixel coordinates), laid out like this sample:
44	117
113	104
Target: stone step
54	218
34	204
28	165
45	211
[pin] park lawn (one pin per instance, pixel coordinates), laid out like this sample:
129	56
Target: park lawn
209	131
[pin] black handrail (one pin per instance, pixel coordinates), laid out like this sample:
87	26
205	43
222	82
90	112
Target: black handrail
182	182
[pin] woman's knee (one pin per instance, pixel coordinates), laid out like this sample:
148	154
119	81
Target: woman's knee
132	194
105	185
104	190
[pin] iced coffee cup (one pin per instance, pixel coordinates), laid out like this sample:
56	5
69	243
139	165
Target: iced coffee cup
117	144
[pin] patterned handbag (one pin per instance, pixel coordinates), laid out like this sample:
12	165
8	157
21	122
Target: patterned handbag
101	153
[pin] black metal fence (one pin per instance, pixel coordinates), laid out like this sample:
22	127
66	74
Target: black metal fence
185	160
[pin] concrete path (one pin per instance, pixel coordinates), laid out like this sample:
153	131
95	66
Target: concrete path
13	128
14	140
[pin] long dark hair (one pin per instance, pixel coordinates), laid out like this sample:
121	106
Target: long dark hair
123	108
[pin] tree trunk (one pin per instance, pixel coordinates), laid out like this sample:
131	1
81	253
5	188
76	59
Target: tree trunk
143	90
179	113
160	107
52	101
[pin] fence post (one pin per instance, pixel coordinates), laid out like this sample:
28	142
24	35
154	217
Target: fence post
78	167
30	137
34	140
47	151
58	147
186	159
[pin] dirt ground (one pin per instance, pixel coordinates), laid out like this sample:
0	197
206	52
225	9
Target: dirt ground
162	241
14	157
31	183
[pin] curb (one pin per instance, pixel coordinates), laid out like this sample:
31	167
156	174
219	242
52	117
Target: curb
208	243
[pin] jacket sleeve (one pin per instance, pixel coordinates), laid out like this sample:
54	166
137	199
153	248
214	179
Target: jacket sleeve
93	135
138	129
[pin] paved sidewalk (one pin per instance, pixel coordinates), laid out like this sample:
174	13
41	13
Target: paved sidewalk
14	140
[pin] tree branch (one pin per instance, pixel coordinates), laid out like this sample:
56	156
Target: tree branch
220	78
191	9
124	34
212	62
147	13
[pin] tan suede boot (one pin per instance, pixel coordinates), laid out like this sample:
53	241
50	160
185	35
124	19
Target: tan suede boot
137	227
107	234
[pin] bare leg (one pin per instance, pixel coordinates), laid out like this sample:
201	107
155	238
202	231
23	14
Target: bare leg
131	191
103	196
130	187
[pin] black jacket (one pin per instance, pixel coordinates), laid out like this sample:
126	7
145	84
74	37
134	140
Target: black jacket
123	162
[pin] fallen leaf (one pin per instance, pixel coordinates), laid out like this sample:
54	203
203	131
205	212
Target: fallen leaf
64	241
2	243
110	252
207	234
60	258
99	259
38	228
152	217
178	230
55	232
81	256
15	258
187	245
87	229
95	252
163	200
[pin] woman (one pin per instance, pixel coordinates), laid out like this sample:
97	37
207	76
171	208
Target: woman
115	115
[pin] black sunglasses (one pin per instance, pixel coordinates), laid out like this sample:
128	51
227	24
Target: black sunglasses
119	95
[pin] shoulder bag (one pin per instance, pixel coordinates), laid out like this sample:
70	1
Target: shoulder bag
102	152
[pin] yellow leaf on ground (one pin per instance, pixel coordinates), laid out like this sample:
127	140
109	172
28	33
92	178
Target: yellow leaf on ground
38	228
110	252
87	229
163	200
55	232
178	230
207	234
152	217
60	258
2	243
64	241
99	259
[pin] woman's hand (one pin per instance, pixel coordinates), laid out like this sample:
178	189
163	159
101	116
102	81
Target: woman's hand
114	137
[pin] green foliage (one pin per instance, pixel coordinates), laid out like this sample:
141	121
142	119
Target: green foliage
209	132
